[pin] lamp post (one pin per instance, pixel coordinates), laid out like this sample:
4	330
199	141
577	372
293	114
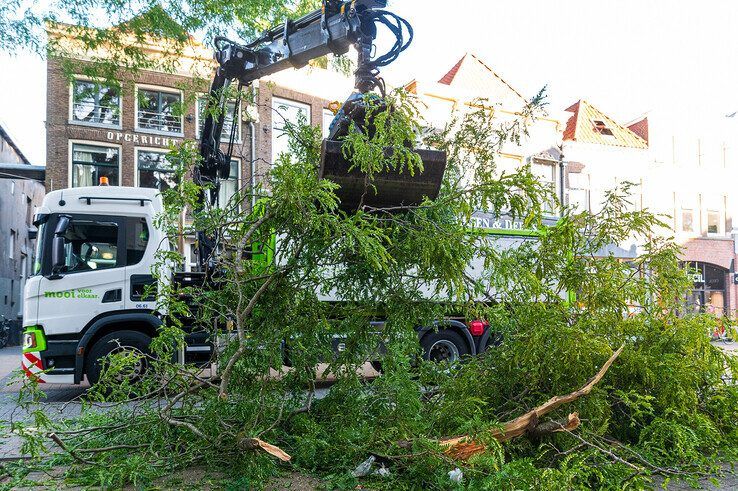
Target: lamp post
562	175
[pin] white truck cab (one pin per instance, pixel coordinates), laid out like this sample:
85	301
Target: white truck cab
95	250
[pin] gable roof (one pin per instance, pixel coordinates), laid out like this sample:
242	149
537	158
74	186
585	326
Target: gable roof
588	124
472	75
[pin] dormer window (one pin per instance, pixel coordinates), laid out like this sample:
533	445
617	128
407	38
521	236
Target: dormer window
601	128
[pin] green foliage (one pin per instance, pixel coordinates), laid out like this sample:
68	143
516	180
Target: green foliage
116	38
394	126
560	304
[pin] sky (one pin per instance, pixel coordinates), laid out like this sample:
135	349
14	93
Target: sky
627	57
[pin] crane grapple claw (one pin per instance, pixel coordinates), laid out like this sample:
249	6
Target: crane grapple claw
389	189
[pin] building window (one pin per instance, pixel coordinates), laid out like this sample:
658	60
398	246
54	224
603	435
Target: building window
713	222
11	244
285	112
29	211
328	117
229	187
546	174
230	119
159	111
91	162
687	220
155	170
601	128
95	103
579	192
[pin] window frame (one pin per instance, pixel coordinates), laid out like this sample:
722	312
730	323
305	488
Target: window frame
160	89
70	115
681	221
720	223
326	128
273	113
555	182
201	96
573	187
237	179
121	241
12	242
602	128
70	163
136	151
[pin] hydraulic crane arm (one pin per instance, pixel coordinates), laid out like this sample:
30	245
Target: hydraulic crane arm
334	28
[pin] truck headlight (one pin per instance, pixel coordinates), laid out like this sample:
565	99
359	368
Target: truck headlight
29	340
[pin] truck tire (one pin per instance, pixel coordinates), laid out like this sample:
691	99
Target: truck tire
444	345
113	343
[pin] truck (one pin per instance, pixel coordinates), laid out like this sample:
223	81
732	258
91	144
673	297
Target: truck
89	294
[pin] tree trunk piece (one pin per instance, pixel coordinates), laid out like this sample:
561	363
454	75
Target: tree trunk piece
463	447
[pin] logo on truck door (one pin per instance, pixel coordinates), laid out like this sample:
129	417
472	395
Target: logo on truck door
76	293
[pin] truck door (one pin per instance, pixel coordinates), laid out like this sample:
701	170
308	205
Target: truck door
140	291
91	280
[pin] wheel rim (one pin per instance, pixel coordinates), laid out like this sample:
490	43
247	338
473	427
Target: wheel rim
443	350
132	372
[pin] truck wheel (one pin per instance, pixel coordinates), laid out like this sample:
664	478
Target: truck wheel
117	342
445	345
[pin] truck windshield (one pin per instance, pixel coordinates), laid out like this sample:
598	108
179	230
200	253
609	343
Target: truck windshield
40	222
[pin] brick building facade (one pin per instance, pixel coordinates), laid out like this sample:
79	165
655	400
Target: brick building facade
124	132
70	122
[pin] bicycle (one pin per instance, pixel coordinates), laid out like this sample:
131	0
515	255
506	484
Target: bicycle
4	331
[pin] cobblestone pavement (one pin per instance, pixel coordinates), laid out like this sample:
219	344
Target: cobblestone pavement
58	403
61	400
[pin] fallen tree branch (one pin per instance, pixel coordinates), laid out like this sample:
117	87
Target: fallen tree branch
463	447
273	450
71	452
608	453
113	447
571	423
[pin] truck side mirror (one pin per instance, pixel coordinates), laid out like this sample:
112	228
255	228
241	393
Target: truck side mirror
57	256
58	259
62	225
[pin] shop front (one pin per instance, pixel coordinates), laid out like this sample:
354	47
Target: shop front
710	288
